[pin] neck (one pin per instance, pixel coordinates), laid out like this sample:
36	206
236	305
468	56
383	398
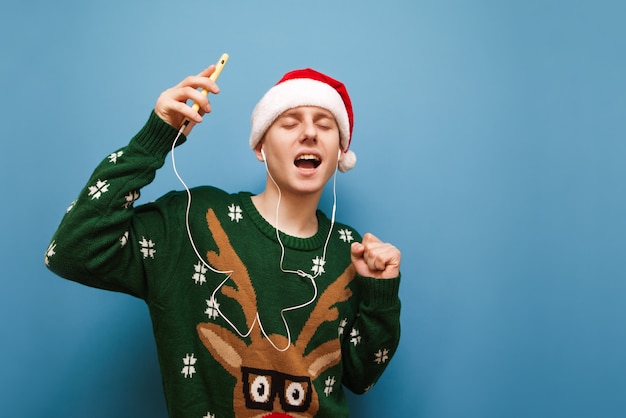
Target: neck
296	213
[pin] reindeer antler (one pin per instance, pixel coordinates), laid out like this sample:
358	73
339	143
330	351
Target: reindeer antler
325	309
228	260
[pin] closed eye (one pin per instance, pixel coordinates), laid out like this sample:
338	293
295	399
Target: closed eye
325	122
288	123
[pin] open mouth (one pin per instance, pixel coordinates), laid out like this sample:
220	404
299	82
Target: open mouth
310	161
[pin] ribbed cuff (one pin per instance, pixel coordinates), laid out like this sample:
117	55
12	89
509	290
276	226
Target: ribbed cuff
381	293
157	136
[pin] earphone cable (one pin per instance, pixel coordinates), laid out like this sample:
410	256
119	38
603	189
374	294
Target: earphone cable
229	273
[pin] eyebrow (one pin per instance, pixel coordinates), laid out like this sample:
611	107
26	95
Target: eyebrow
323	115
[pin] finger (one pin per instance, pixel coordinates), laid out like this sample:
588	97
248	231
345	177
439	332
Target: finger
181	94
187	112
391	258
207	71
366	252
375	260
190	92
198	97
202	81
369	238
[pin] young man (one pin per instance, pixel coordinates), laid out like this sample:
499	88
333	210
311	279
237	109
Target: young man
261	306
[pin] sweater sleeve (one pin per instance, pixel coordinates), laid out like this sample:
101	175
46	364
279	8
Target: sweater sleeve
102	240
371	341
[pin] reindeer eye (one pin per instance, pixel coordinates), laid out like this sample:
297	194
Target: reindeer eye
260	389
295	394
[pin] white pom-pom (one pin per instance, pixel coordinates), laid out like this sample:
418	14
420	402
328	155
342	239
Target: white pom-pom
347	162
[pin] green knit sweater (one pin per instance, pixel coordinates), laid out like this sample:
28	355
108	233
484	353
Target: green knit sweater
227	340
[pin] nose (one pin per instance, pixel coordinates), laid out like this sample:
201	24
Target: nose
309	131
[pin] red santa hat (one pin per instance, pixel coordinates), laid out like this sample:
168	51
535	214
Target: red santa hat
306	87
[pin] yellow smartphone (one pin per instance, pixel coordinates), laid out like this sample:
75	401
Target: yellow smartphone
218	70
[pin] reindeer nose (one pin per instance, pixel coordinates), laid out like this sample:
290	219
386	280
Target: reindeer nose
277	415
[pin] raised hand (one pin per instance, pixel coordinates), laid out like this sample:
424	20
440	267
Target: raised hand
171	106
374	258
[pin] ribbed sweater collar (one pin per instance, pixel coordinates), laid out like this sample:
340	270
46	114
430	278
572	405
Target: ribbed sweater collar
289	241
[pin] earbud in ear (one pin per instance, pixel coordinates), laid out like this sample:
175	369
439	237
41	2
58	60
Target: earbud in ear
263	154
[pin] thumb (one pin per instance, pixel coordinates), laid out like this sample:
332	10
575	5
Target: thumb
356	250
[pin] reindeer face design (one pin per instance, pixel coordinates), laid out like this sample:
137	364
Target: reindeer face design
270	383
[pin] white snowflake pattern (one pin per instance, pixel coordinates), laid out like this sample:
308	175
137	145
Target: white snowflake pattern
147	248
50	252
189	368
346	235
235	213
113	157
100	188
124	239
318	265
199	277
342	326
355	336
329	382
70	207
212	309
209	415
131	197
382	356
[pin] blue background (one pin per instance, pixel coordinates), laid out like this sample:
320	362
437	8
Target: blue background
491	146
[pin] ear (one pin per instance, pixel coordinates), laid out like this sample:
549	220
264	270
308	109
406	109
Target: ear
340	153
258	150
225	350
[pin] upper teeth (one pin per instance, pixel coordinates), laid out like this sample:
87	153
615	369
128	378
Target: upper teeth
308	157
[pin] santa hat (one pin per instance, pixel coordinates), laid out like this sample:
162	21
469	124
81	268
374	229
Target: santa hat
306	87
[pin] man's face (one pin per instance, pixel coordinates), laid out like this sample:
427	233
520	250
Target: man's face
302	148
